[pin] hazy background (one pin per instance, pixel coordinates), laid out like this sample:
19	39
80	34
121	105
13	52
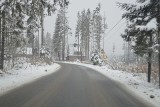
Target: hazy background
112	12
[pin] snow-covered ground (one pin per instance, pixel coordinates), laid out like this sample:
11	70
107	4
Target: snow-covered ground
24	74
137	82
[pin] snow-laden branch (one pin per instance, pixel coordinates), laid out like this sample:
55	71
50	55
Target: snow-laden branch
2	1
152	25
141	5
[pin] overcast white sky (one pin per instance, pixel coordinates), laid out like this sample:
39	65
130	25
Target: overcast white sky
113	15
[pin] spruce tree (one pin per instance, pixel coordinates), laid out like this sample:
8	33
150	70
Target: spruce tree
97	28
59	38
77	31
142	27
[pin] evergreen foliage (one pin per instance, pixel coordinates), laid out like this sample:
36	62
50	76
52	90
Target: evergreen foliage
89	30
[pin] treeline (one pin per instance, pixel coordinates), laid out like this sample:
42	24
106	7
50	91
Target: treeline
90	28
60	36
89	31
20	20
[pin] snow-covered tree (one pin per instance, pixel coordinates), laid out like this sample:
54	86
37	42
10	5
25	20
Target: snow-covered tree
77	31
88	33
61	30
57	38
142	27
97	28
21	17
85	32
82	30
48	41
89	30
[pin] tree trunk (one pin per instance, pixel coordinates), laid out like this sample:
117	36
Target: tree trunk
3	39
33	50
42	25
158	20
58	56
64	37
88	47
0	40
149	61
149	67
63	48
78	48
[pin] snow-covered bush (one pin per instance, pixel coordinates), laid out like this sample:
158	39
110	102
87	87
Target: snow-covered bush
96	60
77	60
45	52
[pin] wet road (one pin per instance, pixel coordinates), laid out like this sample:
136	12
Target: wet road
72	86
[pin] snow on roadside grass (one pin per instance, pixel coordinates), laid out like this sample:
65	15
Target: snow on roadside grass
136	82
24	74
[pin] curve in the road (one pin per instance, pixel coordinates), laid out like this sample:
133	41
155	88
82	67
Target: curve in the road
72	86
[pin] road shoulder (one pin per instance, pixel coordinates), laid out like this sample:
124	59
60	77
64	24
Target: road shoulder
124	83
27	74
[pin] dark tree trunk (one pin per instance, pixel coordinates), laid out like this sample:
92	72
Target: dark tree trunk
42	29
3	39
33	49
0	40
88	47
149	67
149	61
63	48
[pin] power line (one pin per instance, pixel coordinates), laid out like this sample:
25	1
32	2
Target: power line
120	21
109	37
114	27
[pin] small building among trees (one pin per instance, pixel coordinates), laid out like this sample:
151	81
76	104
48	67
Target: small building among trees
74	54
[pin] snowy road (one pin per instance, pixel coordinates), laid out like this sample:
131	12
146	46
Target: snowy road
72	86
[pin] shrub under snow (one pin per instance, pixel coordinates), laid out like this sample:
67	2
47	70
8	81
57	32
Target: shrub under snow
96	60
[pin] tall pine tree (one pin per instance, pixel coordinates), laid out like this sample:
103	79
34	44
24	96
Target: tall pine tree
142	28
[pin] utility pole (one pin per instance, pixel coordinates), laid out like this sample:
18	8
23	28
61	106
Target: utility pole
113	49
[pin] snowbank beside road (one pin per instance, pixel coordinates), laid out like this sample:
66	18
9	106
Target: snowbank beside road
26	73
137	82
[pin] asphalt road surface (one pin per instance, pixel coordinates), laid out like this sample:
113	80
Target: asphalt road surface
72	86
